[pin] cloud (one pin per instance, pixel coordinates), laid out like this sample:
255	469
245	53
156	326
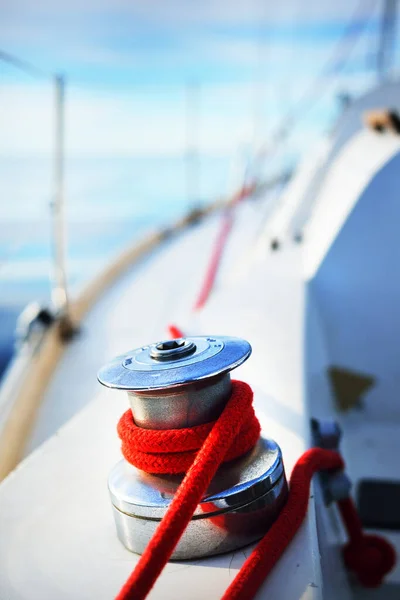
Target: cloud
190	11
126	33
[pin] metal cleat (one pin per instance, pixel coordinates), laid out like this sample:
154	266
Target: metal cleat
326	434
337	485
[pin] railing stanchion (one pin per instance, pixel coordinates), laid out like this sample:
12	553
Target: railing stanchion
60	285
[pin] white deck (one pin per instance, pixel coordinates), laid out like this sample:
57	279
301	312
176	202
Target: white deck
58	538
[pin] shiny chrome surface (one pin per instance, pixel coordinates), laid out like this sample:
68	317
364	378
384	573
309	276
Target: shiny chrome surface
138	370
236	483
214	533
182	406
177	383
242	502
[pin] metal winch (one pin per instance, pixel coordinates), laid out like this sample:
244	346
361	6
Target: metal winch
177	384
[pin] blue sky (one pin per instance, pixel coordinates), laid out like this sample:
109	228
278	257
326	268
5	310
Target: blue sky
128	63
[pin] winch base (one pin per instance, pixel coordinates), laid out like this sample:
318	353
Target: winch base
244	499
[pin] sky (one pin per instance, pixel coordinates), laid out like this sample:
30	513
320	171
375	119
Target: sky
152	76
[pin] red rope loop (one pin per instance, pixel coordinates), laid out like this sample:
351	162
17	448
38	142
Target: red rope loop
174	450
370	557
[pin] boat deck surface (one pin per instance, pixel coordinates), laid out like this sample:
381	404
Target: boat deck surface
65	545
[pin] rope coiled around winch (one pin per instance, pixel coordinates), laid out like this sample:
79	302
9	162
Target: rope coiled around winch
370	557
174	450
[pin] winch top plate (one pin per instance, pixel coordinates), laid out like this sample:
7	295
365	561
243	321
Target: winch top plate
173	363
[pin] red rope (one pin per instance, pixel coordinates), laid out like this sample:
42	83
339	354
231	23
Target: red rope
188	495
175	332
267	553
212	270
370	557
220	243
216	256
174	450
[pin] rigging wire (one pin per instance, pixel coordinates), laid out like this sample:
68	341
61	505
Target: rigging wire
23	65
386	39
335	63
